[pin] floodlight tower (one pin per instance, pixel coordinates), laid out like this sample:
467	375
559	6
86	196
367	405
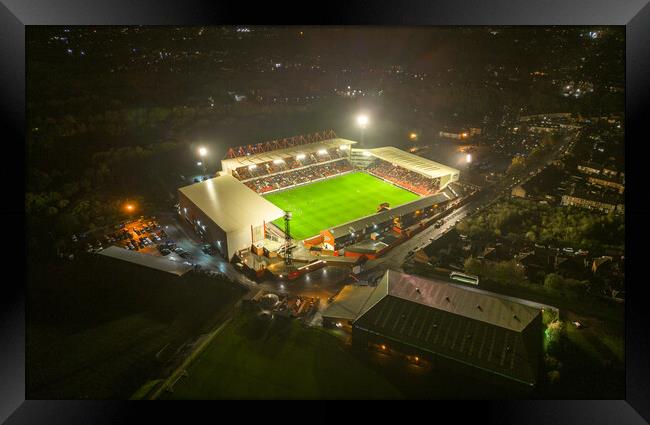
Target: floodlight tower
288	258
362	121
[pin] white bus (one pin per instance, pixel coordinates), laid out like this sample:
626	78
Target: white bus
465	278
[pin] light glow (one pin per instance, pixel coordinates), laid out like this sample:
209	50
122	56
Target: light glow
322	152
363	120
203	151
300	156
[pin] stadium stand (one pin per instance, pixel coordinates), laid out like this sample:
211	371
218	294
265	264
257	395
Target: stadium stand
303	175
407	179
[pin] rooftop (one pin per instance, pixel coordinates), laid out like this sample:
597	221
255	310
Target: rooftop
482	329
159	263
412	162
230	203
281	154
494	308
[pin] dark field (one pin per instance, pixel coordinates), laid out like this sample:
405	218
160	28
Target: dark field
96	328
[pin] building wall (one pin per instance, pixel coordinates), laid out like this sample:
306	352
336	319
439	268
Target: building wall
212	233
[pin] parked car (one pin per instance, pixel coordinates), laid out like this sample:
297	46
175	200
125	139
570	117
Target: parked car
130	245
137	232
165	251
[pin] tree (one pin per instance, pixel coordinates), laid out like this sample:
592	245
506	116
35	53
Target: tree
553	281
516	164
473	266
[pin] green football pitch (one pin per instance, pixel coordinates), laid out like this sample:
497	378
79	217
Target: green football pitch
334	201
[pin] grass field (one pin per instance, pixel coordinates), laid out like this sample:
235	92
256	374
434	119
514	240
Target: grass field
334	201
279	360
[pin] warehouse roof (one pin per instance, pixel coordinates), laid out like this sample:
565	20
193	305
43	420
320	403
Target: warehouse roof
260	158
164	264
230	203
412	162
494	309
352	300
479	328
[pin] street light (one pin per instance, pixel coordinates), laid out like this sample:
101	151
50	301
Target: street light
362	120
203	151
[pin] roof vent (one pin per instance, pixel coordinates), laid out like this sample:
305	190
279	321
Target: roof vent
514	316
479	307
417	290
447	298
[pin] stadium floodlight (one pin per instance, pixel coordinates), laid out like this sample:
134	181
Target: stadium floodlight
199	163
366	153
252	167
322	152
468	158
363	120
278	161
300	156
345	147
203	151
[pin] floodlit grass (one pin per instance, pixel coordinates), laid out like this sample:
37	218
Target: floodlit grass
280	360
334	201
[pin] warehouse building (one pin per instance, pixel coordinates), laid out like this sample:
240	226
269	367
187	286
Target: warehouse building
457	327
226	213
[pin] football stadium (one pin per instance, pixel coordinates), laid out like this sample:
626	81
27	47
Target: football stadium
338	195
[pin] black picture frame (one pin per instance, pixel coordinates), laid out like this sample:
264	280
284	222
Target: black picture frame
633	14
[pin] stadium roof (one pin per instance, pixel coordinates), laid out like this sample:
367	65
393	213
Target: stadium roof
474	327
230	203
260	158
360	224
164	264
412	162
